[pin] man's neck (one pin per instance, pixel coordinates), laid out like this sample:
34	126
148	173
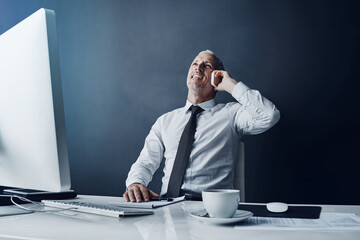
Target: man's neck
196	98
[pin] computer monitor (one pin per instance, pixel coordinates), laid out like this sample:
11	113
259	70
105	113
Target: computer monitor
33	147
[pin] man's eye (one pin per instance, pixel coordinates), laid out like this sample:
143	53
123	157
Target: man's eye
209	66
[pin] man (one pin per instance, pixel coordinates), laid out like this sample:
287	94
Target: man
219	128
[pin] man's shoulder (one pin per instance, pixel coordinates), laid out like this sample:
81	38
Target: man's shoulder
172	113
181	110
228	105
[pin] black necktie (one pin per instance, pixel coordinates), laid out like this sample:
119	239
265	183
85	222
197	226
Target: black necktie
183	154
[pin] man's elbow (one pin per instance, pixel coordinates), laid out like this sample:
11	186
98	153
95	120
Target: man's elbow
266	122
274	117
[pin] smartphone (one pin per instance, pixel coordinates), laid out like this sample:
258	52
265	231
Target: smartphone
215	81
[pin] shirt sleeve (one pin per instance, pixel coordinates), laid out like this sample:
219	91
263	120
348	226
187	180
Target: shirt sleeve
255	114
149	160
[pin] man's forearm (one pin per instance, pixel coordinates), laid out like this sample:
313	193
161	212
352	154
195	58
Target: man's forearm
229	85
148	161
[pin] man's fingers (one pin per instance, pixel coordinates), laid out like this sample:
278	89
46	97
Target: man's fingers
126	196
145	193
226	74
137	194
152	194
218	73
131	195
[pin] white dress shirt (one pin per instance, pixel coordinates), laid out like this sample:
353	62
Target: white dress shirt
219	130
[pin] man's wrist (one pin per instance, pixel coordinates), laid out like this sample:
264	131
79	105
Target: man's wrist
230	85
133	183
239	89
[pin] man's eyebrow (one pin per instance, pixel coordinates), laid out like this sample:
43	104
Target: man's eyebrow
204	62
208	62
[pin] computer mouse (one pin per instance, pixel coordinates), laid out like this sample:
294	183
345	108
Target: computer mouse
277	207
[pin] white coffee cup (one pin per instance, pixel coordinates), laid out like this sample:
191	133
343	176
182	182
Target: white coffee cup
221	203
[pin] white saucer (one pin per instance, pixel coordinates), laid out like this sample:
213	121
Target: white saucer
238	216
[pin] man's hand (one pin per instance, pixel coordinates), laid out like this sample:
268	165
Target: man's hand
137	192
227	83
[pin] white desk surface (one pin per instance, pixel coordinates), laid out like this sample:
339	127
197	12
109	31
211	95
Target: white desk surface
170	222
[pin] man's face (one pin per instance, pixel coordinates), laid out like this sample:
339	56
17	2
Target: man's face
199	75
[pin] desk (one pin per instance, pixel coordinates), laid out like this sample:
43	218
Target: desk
170	222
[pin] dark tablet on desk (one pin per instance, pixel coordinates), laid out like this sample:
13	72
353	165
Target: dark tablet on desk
5	200
310	212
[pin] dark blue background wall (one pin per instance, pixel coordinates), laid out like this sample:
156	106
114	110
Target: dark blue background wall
124	63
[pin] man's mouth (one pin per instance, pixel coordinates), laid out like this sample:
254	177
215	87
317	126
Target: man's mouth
197	75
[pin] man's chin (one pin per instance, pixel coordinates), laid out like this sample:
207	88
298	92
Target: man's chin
195	87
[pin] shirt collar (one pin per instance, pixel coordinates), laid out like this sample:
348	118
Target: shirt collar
204	105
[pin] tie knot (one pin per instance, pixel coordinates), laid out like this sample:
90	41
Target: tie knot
195	110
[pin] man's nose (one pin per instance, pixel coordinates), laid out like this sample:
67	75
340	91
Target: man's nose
200	67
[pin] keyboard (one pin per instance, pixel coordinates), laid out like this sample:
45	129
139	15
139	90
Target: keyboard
99	209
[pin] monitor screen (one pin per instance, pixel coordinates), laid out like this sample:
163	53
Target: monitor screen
33	148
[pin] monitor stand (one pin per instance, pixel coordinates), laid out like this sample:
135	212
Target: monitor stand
34	195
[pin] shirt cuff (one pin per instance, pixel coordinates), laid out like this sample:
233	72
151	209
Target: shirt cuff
239	89
131	181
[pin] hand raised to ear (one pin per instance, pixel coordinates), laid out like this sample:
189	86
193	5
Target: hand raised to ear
227	83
